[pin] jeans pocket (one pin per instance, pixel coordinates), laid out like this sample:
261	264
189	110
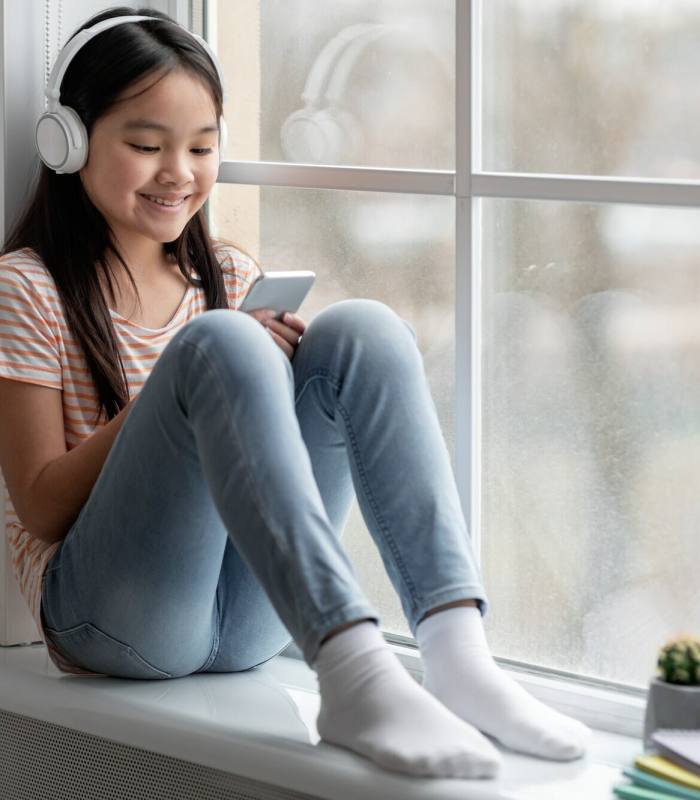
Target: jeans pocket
92	649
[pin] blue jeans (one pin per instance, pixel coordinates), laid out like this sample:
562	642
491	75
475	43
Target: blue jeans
211	535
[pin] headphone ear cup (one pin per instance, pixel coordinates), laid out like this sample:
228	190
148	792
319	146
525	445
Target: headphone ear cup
346	136
61	140
321	137
301	137
223	138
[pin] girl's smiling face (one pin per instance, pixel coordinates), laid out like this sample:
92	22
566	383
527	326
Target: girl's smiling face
128	160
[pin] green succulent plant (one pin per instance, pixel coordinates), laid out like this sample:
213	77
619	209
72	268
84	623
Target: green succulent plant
679	660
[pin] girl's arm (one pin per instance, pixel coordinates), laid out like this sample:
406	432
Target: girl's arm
54	499
61	489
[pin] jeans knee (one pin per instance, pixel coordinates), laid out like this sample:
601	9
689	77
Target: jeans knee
222	325
235	342
226	333
362	317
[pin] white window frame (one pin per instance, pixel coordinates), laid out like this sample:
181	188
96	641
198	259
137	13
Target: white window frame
605	705
602	704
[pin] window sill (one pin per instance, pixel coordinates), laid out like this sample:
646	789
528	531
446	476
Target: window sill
260	725
593	703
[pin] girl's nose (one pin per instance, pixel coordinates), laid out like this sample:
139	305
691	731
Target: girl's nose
176	167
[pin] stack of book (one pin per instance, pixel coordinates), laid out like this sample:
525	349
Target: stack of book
672	770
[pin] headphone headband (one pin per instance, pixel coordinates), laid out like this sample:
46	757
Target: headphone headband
53	88
60	136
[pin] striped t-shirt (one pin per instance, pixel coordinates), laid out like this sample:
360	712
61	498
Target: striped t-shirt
37	346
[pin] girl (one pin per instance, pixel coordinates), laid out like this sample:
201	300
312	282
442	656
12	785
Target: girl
195	528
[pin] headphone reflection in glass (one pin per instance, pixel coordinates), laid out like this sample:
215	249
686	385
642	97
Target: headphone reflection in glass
323	131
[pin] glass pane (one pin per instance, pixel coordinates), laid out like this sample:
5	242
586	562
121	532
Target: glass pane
592	87
378	79
398	249
591	433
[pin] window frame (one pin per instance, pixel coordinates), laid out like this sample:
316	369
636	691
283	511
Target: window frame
605	705
602	704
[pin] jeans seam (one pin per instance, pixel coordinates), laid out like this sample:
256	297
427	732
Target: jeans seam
269	658
336	383
226	409
312	376
128	648
216	639
375	509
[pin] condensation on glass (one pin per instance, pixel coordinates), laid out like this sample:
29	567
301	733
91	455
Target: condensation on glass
590	333
591	433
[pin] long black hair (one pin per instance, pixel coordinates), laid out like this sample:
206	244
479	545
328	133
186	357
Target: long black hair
65	229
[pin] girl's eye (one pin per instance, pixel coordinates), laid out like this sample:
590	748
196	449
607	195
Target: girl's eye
201	151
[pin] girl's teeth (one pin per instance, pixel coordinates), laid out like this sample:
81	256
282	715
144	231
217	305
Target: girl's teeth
163	202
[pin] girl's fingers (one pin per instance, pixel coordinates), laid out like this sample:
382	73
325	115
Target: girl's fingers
286	334
289	334
260	314
283	344
293	321
289	320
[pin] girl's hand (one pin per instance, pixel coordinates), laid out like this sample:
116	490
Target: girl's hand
286	333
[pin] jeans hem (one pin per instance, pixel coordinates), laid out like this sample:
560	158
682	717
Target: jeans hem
349	613
473	591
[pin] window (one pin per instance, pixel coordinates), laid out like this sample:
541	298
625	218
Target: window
516	179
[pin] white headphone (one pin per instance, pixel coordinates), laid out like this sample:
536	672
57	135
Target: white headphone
315	134
60	136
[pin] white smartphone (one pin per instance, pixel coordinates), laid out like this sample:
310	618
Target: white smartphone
283	290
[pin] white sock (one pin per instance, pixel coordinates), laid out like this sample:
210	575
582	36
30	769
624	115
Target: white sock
371	705
461	672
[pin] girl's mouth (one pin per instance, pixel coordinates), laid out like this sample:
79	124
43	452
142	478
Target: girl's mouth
163	207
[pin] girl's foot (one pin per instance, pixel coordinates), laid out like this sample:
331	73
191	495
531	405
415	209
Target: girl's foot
460	671
371	705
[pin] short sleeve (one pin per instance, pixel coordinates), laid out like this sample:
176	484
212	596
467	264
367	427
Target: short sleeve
240	272
29	350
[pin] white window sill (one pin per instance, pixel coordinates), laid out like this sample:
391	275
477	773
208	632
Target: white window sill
595	704
261	725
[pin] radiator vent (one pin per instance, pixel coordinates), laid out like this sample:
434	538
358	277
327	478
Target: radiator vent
42	759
